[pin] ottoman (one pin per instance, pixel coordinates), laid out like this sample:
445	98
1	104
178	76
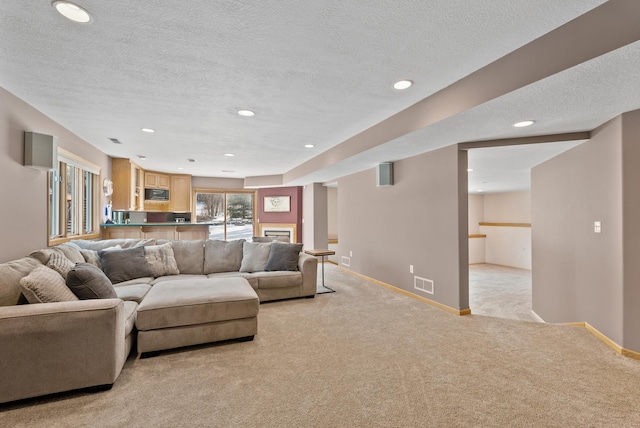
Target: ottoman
180	313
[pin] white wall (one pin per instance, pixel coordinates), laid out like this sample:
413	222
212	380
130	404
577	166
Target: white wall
503	245
476	215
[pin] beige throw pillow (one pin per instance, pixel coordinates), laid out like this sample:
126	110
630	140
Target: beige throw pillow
60	264
161	259
44	285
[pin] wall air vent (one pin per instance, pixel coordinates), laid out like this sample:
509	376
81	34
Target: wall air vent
423	284
346	261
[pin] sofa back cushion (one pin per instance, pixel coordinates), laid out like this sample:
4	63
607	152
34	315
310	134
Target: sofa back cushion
10	275
255	256
189	255
108	243
222	256
123	265
71	251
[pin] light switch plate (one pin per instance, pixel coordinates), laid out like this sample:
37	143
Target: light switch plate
597	227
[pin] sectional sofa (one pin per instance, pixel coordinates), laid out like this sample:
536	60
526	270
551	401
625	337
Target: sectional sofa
76	343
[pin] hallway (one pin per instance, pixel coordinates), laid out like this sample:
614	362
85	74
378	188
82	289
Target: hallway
500	291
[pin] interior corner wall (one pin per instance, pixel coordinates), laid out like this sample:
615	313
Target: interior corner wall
332	212
631	231
577	274
314	214
421	220
23	211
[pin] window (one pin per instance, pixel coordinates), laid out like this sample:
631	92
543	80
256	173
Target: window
231	214
73	202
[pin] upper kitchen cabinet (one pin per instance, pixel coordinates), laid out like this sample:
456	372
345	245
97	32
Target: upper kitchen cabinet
128	191
180	193
154	180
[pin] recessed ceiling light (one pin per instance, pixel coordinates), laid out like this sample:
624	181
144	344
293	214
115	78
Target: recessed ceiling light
229	155
148	130
141	157
403	84
524	123
180	167
309	146
246	113
72	11
191	160
469	169
226	170
480	190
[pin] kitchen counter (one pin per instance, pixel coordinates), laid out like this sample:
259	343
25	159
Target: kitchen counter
170	231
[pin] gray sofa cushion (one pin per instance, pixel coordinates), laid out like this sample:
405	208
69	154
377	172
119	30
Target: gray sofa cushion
255	256
161	259
123	265
189	256
222	256
89	282
283	257
45	285
10	275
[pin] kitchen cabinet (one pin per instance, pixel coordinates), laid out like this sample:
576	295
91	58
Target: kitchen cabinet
154	180
180	193
128	193
156	231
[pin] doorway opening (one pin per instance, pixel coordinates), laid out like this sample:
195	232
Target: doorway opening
499	217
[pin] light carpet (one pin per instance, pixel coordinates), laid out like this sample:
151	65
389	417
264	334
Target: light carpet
364	356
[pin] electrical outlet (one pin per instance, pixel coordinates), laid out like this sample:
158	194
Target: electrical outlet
350	253
597	227
410	268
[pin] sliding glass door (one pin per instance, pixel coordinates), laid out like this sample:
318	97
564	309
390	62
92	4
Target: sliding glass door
231	214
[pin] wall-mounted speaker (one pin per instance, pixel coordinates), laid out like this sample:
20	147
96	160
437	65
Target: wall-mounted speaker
40	151
384	174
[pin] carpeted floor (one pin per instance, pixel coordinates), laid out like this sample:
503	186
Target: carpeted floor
500	291
364	356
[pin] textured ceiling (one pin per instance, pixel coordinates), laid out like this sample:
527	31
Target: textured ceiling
314	72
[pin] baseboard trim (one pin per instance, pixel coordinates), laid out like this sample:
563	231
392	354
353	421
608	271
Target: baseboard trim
459	312
610	343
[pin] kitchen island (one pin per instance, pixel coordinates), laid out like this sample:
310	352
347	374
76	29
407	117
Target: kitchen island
171	231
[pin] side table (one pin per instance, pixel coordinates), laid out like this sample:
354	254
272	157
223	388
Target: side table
322	253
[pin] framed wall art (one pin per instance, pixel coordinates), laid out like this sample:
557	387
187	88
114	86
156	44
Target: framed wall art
277	204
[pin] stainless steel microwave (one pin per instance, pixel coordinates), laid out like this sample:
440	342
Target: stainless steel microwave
156	194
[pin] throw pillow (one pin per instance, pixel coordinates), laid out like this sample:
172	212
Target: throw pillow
283	256
126	264
60	263
161	259
222	256
92	257
44	285
255	256
87	281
